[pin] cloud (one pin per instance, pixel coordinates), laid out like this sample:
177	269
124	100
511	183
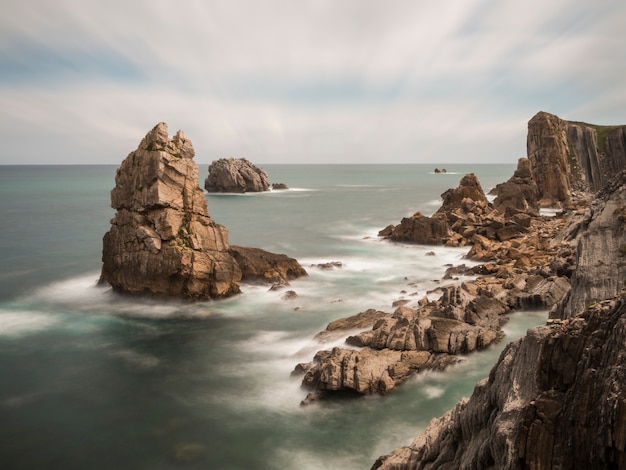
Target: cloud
303	81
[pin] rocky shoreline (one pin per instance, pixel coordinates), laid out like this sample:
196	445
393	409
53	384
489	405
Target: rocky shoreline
557	397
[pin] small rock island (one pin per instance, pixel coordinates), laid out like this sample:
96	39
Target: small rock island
236	175
162	240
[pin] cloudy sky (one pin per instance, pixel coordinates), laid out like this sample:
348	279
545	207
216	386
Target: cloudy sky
304	81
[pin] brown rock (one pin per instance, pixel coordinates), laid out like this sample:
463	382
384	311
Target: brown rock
260	265
519	194
162	240
236	175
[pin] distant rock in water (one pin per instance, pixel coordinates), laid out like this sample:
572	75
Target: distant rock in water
438	171
236	175
162	240
279	186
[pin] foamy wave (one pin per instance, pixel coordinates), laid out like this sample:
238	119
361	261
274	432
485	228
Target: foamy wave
18	323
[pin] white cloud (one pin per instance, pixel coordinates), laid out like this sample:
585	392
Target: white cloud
310	81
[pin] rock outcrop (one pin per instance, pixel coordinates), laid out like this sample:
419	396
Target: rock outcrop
236	175
261	265
601	251
162	240
519	194
555	399
571	156
519	271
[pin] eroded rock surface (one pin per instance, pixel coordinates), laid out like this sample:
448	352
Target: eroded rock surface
162	240
519	194
236	175
555	399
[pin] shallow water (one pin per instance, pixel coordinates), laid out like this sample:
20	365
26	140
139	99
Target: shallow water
89	379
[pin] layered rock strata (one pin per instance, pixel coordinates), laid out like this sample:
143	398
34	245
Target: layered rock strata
518	270
556	398
519	194
162	241
236	175
569	156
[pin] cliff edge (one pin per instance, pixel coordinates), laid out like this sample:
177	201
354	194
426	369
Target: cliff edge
569	156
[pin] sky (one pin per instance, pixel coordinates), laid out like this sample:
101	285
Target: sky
304	81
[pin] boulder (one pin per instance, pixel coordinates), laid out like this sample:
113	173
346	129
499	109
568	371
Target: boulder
162	240
458	198
235	175
260	265
419	229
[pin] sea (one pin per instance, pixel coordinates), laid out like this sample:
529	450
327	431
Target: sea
91	379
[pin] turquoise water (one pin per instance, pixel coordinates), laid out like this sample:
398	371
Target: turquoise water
89	379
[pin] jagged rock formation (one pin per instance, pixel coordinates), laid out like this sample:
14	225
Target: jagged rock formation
555	399
601	251
571	156
464	215
519	272
162	240
519	193
236	175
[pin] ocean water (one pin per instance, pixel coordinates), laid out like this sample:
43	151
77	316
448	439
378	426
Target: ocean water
89	379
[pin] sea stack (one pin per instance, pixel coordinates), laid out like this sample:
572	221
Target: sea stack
162	240
236	175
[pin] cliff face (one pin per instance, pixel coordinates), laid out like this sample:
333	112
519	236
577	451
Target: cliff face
572	156
162	240
556	398
600	252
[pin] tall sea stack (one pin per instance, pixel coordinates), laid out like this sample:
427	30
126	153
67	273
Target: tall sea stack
162	240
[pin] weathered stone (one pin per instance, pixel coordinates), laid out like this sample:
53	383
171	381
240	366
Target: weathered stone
555	399
260	265
519	194
162	241
419	229
236	175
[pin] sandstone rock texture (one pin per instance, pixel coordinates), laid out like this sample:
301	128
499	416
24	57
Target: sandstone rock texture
600	252
236	175
162	240
571	156
555	399
519	194
517	270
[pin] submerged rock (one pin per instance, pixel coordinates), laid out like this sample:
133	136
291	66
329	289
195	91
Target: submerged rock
162	240
236	175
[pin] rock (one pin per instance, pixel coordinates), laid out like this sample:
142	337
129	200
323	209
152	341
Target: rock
569	156
437	170
279	186
469	189
420	229
162	240
601	251
289	295
260	265
328	266
555	399
519	194
235	175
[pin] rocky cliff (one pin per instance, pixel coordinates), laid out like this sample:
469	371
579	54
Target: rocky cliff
557	397
236	175
162	240
571	156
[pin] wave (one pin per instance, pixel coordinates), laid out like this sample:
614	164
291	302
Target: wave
16	323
